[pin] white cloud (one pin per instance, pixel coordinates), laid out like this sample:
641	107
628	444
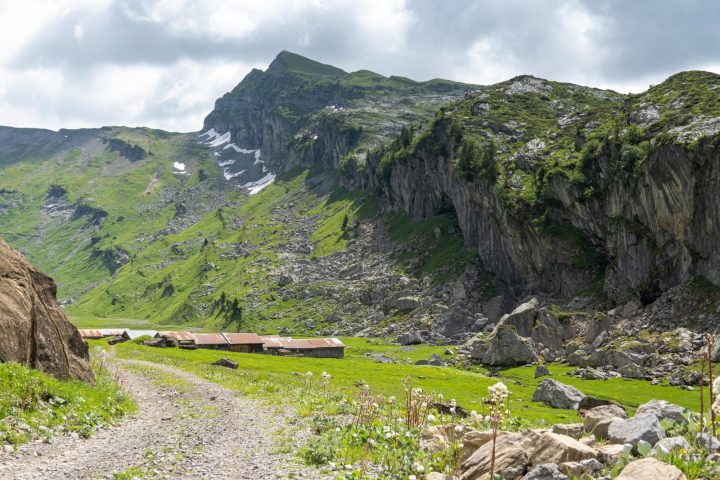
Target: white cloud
162	63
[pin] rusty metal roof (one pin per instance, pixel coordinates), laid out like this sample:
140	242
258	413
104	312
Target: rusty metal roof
209	339
178	336
90	334
103	332
302	343
243	338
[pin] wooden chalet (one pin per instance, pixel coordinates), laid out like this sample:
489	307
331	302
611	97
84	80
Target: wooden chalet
244	342
311	347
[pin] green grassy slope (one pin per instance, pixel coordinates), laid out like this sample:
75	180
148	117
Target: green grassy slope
264	374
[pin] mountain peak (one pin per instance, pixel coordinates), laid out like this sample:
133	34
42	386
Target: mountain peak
292	62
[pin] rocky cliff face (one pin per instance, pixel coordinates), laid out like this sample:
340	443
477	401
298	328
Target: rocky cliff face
580	188
34	330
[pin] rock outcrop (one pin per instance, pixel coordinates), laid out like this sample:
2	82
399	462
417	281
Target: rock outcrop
557	394
34	330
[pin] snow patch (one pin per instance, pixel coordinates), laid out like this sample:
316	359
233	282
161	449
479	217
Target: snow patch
226	163
179	166
215	139
229	176
219	140
258	185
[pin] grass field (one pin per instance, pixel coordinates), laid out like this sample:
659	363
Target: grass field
36	405
268	375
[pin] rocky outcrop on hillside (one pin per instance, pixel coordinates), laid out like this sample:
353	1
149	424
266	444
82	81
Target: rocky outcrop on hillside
635	215
34	330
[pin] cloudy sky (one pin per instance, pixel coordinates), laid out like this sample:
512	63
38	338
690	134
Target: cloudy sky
162	63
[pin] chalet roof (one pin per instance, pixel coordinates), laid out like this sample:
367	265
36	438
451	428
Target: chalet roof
209	339
302	344
103	332
243	338
178	336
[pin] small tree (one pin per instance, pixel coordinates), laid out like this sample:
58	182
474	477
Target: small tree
344	223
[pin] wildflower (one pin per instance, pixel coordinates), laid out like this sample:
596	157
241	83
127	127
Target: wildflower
309	374
431	418
458	428
498	392
412	477
391	400
371	442
419	468
440	397
716	391
326	375
461	445
386	428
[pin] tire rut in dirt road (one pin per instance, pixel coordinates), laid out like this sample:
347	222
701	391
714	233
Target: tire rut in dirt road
185	428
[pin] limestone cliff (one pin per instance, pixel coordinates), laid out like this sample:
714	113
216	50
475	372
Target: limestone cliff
559	186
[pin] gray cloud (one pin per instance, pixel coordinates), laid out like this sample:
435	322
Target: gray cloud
187	61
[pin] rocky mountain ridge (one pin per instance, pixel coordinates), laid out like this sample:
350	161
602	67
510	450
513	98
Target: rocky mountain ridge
380	205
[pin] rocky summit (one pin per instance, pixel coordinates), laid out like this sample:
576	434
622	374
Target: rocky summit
34	330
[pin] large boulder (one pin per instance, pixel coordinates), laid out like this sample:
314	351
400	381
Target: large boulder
34	330
409	338
664	410
598	419
558	395
503	348
650	469
511	459
556	448
522	319
528	320
643	426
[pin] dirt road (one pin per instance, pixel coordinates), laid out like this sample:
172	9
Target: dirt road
185	428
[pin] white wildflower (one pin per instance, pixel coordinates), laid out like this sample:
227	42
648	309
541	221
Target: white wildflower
309	374
412	477
391	400
458	428
431	418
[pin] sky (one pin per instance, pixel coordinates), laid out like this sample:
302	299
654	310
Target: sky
162	63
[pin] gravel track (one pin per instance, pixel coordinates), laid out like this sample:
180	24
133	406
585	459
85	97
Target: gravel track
194	429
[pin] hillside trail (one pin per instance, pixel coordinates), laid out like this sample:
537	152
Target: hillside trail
185	428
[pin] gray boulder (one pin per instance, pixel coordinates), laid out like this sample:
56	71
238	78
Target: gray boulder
409	338
522	318
558	395
408	303
598	419
542	371
545	471
643	426
670	444
504	347
709	443
664	410
435	360
716	349
457	321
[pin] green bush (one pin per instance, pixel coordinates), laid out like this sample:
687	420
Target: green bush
477	160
